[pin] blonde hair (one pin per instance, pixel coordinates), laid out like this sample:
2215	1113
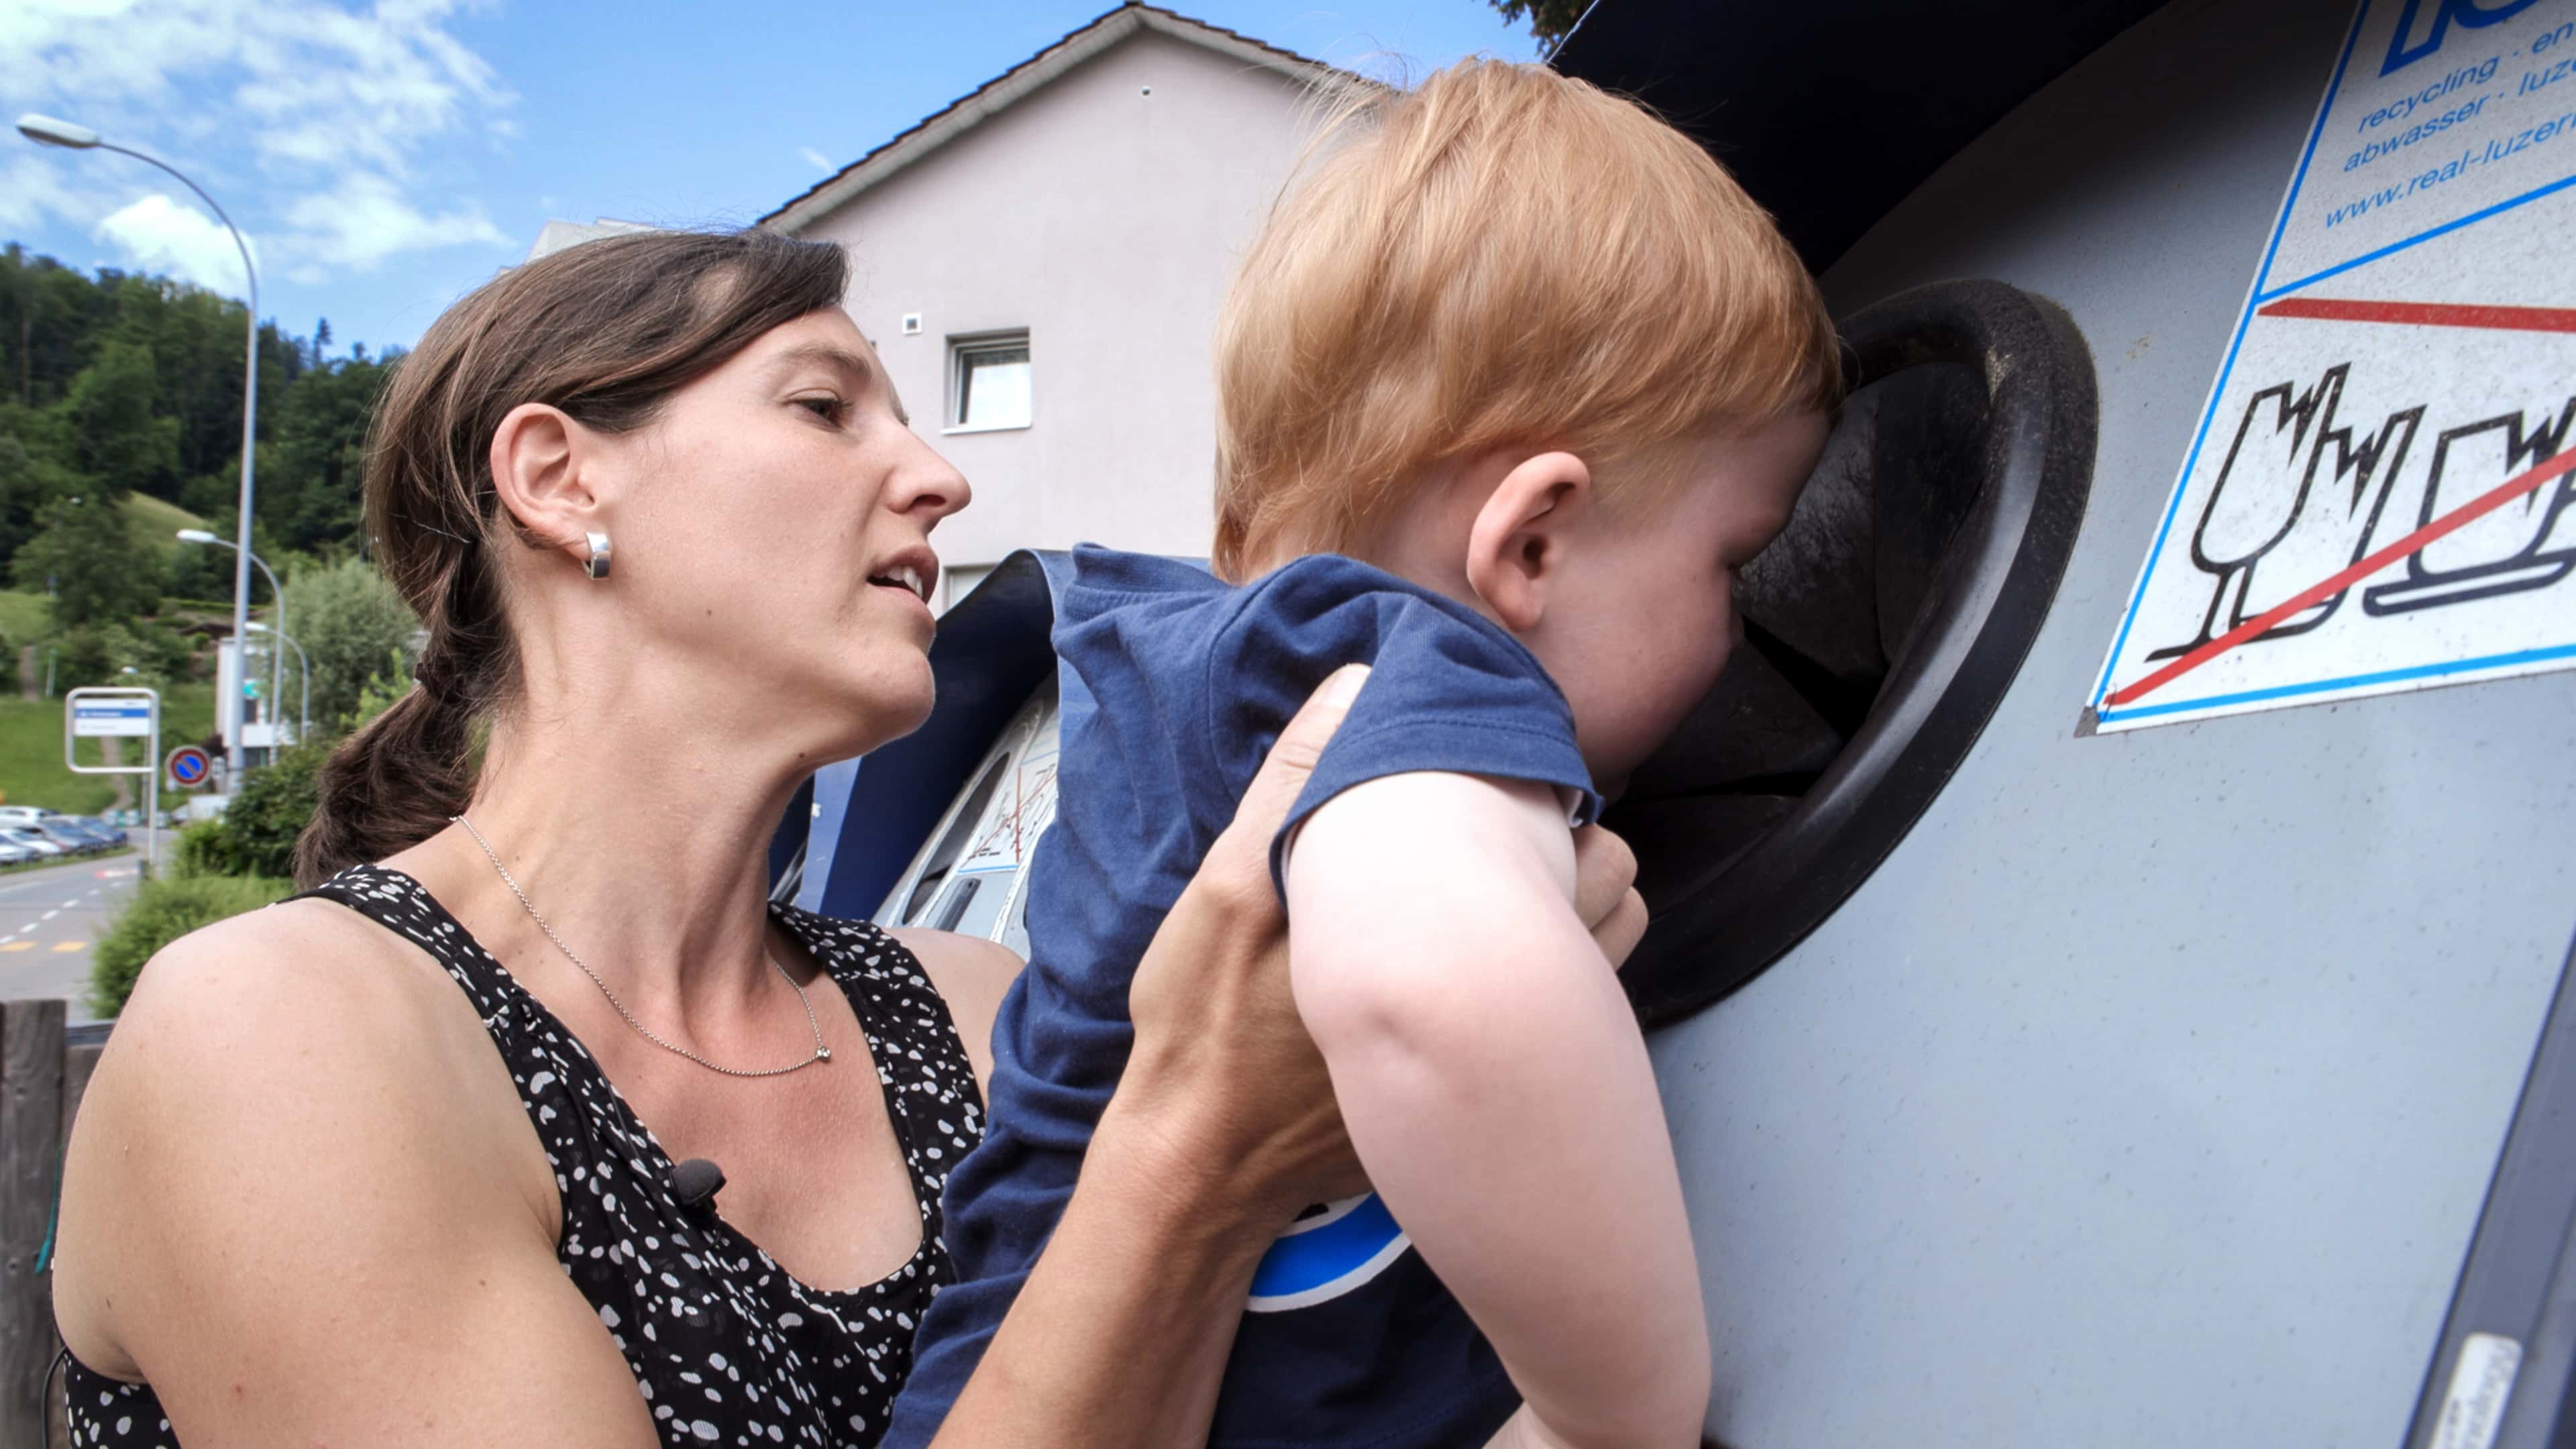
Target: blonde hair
1502	256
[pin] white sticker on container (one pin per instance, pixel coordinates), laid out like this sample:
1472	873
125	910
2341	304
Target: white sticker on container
2381	492
2473	1410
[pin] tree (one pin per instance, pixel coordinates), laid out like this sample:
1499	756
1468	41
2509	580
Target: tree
87	557
1549	20
114	381
353	626
27	484
309	491
101	653
118	446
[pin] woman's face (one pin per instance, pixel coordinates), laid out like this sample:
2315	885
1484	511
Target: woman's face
777	540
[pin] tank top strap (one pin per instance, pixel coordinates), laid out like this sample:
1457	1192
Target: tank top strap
930	1090
403	906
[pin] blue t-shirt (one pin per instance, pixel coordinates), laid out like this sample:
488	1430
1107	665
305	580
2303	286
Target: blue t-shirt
1349	1339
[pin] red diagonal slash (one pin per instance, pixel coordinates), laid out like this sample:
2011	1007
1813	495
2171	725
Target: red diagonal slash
2451	522
2425	314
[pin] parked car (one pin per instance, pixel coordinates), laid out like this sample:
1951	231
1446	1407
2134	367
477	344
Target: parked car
34	840
74	839
109	833
12	853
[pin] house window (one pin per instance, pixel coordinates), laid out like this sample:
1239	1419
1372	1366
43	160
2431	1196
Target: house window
988	382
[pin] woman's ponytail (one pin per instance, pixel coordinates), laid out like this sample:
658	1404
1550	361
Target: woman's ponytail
390	786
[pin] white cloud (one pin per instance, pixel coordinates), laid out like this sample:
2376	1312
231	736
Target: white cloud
311	120
816	159
33	189
171	236
367	219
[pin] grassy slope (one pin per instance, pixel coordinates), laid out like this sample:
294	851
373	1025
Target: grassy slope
31	750
157	522
24	619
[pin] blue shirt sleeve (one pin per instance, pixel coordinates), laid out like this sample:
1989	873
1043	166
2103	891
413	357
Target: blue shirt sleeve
1448	689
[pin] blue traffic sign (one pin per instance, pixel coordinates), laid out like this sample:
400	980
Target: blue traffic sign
189	765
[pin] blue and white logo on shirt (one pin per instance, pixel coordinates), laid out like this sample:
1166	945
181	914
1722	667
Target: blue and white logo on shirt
1325	1256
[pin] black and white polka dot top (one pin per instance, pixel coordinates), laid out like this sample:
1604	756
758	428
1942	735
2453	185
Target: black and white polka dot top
727	1347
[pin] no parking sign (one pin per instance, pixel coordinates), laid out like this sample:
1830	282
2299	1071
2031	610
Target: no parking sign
188	766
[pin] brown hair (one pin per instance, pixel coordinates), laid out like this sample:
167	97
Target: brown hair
1502	256
607	331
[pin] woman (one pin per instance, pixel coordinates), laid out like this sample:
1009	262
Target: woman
662	516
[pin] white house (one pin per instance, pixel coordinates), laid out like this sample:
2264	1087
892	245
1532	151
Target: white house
1040	264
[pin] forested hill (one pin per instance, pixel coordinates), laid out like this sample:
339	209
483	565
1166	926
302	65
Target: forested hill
115	384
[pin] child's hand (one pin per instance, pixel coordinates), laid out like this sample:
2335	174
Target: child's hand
1605	895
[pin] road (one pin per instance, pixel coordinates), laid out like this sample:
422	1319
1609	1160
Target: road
49	919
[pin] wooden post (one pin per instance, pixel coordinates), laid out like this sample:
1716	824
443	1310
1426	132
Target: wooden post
31	1130
78	1062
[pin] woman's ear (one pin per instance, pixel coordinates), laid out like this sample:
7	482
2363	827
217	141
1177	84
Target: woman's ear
1516	549
538	473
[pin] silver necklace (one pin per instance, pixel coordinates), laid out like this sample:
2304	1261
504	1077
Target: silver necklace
822	1053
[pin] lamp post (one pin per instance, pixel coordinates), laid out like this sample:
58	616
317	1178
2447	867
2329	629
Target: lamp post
303	716
241	622
47	131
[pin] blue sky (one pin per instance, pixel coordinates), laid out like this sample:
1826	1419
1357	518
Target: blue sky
384	159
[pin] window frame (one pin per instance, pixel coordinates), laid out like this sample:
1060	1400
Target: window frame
962	347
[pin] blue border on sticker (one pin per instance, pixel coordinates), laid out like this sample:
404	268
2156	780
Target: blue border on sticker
2349	681
2255	297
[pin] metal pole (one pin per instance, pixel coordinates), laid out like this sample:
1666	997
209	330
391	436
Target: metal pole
250	443
152	798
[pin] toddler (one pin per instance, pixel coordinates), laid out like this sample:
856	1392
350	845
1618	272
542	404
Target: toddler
1510	384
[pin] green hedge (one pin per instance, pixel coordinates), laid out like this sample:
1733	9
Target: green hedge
161	912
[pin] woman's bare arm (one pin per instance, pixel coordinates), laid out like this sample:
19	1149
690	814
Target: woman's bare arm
290	1208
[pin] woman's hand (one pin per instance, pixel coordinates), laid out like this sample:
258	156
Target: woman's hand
1224	1076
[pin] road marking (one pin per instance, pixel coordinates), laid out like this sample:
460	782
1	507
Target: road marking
17	945
61	946
2451	522
49	915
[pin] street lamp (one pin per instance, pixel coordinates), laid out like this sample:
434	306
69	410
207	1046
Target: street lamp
47	131
304	716
241	623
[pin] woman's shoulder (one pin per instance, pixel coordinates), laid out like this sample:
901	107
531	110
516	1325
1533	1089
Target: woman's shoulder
284	974
293	1055
301	1001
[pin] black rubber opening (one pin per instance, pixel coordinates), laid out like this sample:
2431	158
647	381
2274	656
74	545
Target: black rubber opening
1882	628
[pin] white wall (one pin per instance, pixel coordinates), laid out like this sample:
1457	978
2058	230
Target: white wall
1106	221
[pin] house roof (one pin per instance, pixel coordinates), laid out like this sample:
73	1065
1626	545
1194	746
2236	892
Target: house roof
560	234
1003	91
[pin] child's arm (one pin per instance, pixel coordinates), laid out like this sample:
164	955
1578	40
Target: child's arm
1494	1081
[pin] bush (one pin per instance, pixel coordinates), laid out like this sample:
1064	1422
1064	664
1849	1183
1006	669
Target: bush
204	849
273	805
161	912
350	622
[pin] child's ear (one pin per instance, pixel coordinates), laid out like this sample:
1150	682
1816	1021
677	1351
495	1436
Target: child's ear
1516	550
537	457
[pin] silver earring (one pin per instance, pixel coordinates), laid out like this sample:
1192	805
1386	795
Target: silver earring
597	568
